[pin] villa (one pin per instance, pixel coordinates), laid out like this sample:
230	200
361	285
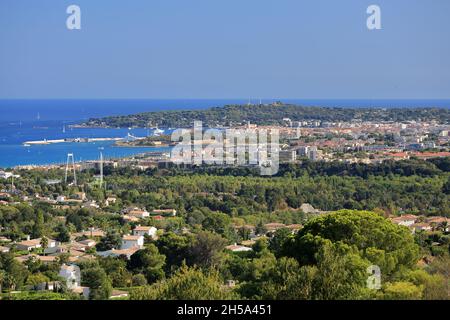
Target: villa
129	241
29	245
406	220
144	230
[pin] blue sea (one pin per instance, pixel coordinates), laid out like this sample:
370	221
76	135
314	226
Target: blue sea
29	120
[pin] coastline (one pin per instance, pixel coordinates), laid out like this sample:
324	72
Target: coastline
74	140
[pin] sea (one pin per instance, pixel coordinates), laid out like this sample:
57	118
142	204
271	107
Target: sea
31	120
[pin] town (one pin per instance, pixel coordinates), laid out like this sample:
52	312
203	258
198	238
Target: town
125	228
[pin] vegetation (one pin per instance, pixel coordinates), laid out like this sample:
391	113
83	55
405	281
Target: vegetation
327	258
269	115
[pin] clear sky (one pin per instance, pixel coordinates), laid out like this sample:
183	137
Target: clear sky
314	49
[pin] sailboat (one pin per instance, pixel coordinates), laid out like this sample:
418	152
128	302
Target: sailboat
64	129
38	116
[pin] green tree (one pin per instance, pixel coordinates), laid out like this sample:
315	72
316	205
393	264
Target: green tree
289	281
149	262
44	243
341	273
206	248
217	222
97	280
375	238
260	228
38	225
139	280
402	290
15	273
186	284
116	270
435	286
63	233
174	247
2	278
111	241
279	240
36	279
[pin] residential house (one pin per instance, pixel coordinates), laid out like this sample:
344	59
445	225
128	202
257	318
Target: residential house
43	259
129	218
4	196
4	239
91	204
89	243
118	294
47	259
77	255
165	212
421	227
5	175
29	245
80	196
91	233
59	249
144	230
439	222
129	241
119	252
248	243
272	227
406	220
110	200
294	227
140	214
238	248
4	249
307	208
72	276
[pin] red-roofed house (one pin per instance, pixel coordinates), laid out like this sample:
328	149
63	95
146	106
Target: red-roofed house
406	220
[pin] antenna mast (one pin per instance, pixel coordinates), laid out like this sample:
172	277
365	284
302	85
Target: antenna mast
101	167
71	157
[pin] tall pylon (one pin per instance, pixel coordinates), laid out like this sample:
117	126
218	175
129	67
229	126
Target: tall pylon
69	157
101	167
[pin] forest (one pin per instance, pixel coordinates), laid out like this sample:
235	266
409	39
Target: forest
268	115
326	259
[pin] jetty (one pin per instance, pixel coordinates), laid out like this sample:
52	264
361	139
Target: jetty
69	140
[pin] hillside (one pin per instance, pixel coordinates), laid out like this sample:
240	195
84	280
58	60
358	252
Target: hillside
272	114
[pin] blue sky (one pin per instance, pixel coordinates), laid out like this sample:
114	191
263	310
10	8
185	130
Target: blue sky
225	49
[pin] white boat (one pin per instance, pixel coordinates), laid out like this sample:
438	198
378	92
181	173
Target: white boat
26	145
